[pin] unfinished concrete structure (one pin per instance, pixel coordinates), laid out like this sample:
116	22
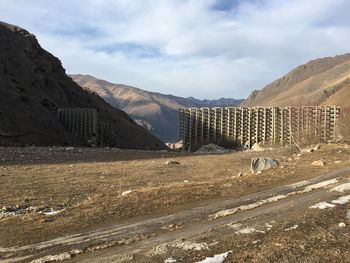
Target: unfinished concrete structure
245	126
85	125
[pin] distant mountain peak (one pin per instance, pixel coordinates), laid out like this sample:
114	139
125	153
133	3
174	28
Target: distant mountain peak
155	111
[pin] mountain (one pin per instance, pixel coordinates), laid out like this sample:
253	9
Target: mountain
156	112
324	81
33	85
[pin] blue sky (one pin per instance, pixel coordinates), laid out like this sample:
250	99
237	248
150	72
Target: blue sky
199	48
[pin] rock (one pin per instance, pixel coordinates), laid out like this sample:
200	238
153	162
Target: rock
336	162
186	181
311	149
257	148
307	150
341	224
278	244
69	149
171	162
263	163
126	192
318	163
240	174
317	147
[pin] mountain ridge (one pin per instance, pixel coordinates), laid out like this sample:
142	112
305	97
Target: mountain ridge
317	82
33	85
156	111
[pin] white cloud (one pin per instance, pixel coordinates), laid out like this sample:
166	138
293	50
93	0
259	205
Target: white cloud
194	49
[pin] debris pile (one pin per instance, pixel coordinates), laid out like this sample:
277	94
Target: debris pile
7	211
212	148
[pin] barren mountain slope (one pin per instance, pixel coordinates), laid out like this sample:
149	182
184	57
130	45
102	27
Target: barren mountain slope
157	112
318	82
33	85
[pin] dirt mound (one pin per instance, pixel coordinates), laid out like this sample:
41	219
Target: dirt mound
212	148
33	85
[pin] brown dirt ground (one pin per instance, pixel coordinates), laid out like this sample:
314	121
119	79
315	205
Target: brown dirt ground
318	238
90	191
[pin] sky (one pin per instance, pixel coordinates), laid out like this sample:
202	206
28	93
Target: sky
199	48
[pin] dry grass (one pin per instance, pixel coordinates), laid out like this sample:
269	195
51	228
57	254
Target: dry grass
91	192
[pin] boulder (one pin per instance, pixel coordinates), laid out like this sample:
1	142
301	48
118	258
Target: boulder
318	163
263	163
257	147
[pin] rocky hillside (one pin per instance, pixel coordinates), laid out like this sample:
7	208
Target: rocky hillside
324	81
156	112
33	85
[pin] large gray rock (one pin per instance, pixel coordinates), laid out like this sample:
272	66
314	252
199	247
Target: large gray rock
262	163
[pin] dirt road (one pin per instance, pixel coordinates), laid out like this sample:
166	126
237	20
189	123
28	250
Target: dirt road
112	243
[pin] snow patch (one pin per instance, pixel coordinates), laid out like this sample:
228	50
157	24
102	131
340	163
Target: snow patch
299	184
323	205
232	211
341	188
220	258
170	260
158	250
249	230
223	213
187	245
52	212
235	226
320	185
59	257
184	245
342	200
274	198
7	211
291	228
309	188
